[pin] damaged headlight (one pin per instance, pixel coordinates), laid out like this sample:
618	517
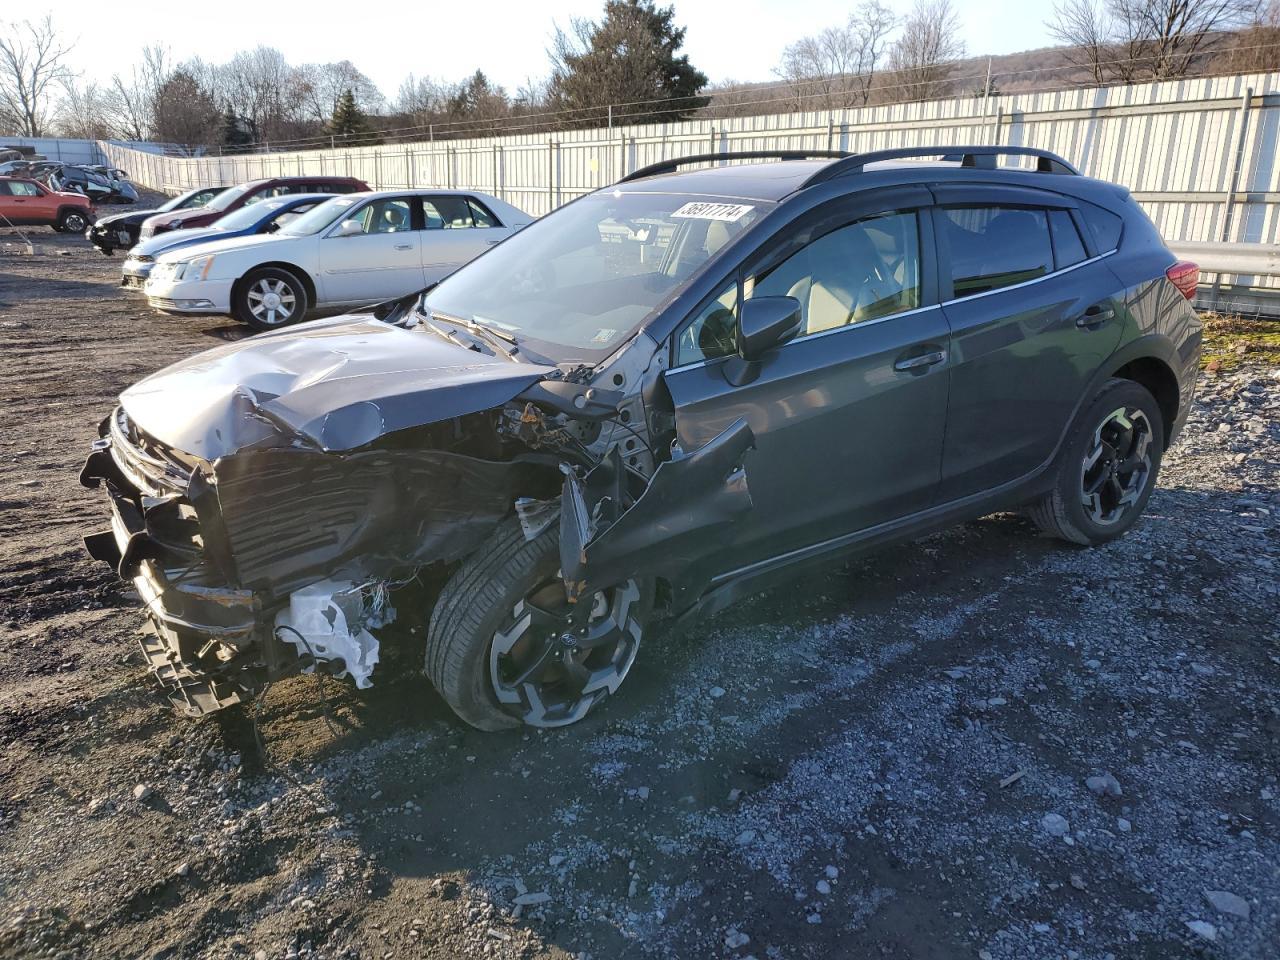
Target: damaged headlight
197	269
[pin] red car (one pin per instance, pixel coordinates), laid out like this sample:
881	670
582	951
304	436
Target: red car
25	202
243	195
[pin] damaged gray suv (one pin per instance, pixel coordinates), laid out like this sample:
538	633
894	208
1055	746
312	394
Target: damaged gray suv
656	400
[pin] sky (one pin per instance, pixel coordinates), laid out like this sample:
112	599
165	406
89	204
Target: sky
727	39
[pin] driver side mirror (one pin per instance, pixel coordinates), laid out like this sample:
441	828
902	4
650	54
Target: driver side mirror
271	227
764	323
349	228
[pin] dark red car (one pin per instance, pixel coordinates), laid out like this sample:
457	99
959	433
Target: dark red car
243	195
25	202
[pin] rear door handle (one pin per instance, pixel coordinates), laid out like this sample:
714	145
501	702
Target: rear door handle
1096	315
493	242
920	361
404	246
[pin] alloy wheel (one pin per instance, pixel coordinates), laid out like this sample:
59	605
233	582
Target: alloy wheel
552	660
1116	470
272	301
74	223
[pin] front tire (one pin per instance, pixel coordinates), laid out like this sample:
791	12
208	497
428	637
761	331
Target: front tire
1107	469
269	298
72	222
504	647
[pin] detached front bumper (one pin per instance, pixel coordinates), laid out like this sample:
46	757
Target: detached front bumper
203	641
190	296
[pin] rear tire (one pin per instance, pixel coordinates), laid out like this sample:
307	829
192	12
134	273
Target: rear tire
269	298
490	631
1107	469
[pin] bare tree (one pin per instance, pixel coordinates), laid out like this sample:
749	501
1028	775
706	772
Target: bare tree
84	112
186	113
925	53
133	98
259	86
836	67
1083	28
322	85
1137	40
1256	48
32	69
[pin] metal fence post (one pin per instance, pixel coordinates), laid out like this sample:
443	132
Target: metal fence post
1237	162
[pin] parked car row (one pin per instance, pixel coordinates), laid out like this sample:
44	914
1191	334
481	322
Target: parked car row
270	252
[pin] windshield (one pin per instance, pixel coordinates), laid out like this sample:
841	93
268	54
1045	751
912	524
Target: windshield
224	200
248	216
176	202
317	218
579	281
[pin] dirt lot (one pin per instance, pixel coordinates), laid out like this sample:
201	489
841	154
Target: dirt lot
862	765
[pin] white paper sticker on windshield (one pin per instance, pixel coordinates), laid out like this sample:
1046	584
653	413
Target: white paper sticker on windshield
702	210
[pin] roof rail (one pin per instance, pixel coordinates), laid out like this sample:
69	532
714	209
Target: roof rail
983	158
670	166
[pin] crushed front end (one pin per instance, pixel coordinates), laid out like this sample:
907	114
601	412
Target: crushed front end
199	628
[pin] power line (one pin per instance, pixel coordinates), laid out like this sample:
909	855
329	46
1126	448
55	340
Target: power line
547	119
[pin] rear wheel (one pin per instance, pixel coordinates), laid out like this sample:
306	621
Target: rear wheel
73	221
506	647
1107	469
269	298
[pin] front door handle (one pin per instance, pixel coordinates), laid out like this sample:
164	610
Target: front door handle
921	360
404	246
1096	315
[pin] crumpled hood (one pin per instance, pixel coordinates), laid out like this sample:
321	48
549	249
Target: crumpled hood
336	384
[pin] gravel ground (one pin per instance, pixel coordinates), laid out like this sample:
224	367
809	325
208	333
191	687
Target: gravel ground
984	744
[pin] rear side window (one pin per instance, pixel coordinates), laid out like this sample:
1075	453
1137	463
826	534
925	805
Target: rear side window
1068	248
1105	226
994	247
481	215
446	213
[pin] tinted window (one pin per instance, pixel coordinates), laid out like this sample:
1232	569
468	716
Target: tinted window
4	189
1068	248
1105	226
445	213
481	216
864	271
994	247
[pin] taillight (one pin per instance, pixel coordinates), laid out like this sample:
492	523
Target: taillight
1184	275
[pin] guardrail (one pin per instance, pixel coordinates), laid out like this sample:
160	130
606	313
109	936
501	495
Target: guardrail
1233	276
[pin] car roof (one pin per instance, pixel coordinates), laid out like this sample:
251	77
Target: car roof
771	180
779	177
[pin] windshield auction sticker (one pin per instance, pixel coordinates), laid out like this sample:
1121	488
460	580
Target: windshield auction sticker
701	210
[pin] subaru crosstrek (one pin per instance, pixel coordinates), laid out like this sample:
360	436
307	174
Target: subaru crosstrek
658	399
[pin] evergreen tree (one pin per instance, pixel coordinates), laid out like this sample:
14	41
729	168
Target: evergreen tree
629	57
348	123
236	132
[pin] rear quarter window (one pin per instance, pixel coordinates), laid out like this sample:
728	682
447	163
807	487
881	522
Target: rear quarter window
1105	226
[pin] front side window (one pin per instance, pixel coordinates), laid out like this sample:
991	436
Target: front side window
994	247
863	271
381	216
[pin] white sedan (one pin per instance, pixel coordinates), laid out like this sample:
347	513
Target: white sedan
353	250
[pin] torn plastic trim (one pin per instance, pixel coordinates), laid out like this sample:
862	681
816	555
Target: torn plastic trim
690	500
329	622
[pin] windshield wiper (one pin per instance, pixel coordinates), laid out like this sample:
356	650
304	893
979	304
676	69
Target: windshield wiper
501	342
